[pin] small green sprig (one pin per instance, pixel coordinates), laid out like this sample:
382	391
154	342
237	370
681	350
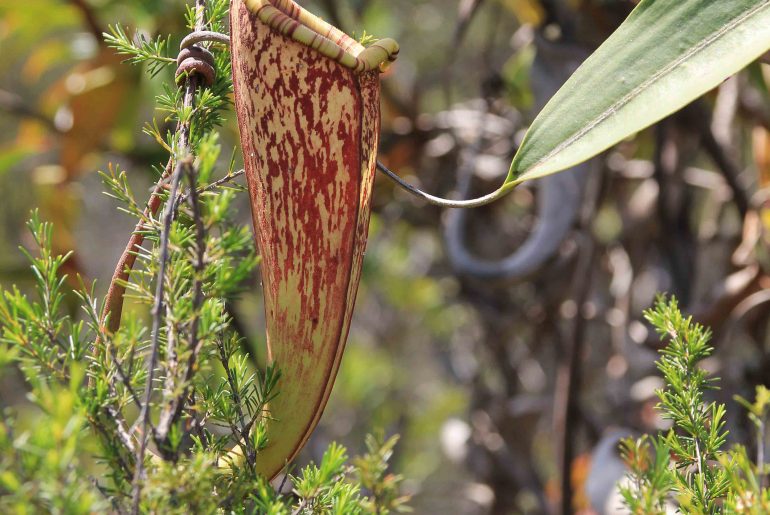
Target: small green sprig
367	39
373	473
758	411
698	433
140	50
42	468
46	340
341	486
650	478
687	467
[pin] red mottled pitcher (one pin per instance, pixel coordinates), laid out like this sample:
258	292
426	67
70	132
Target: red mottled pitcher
307	98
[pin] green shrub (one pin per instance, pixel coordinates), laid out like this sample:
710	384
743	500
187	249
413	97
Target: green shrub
688	467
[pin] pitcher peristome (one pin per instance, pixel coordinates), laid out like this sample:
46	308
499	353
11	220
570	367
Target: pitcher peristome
307	98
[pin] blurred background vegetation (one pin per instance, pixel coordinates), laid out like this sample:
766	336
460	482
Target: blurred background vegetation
510	385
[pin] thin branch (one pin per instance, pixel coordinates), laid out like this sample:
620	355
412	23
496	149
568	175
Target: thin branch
175	407
157	315
466	12
300	507
121	429
214	185
568	416
240	433
122	375
89	17
106	494
13	104
761	451
730	170
200	266
334	13
569	380
125	379
183	164
122	438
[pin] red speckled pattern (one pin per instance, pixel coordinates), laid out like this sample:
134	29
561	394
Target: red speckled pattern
309	133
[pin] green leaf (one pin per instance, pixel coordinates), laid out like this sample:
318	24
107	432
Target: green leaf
665	55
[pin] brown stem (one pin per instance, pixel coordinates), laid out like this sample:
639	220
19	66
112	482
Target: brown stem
567	413
175	406
569	380
113	302
729	169
94	27
157	315
14	104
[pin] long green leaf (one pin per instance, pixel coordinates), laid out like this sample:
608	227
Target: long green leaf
665	55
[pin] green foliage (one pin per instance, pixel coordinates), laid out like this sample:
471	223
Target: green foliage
47	343
649	474
140	50
41	469
205	405
341	487
687	465
372	471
